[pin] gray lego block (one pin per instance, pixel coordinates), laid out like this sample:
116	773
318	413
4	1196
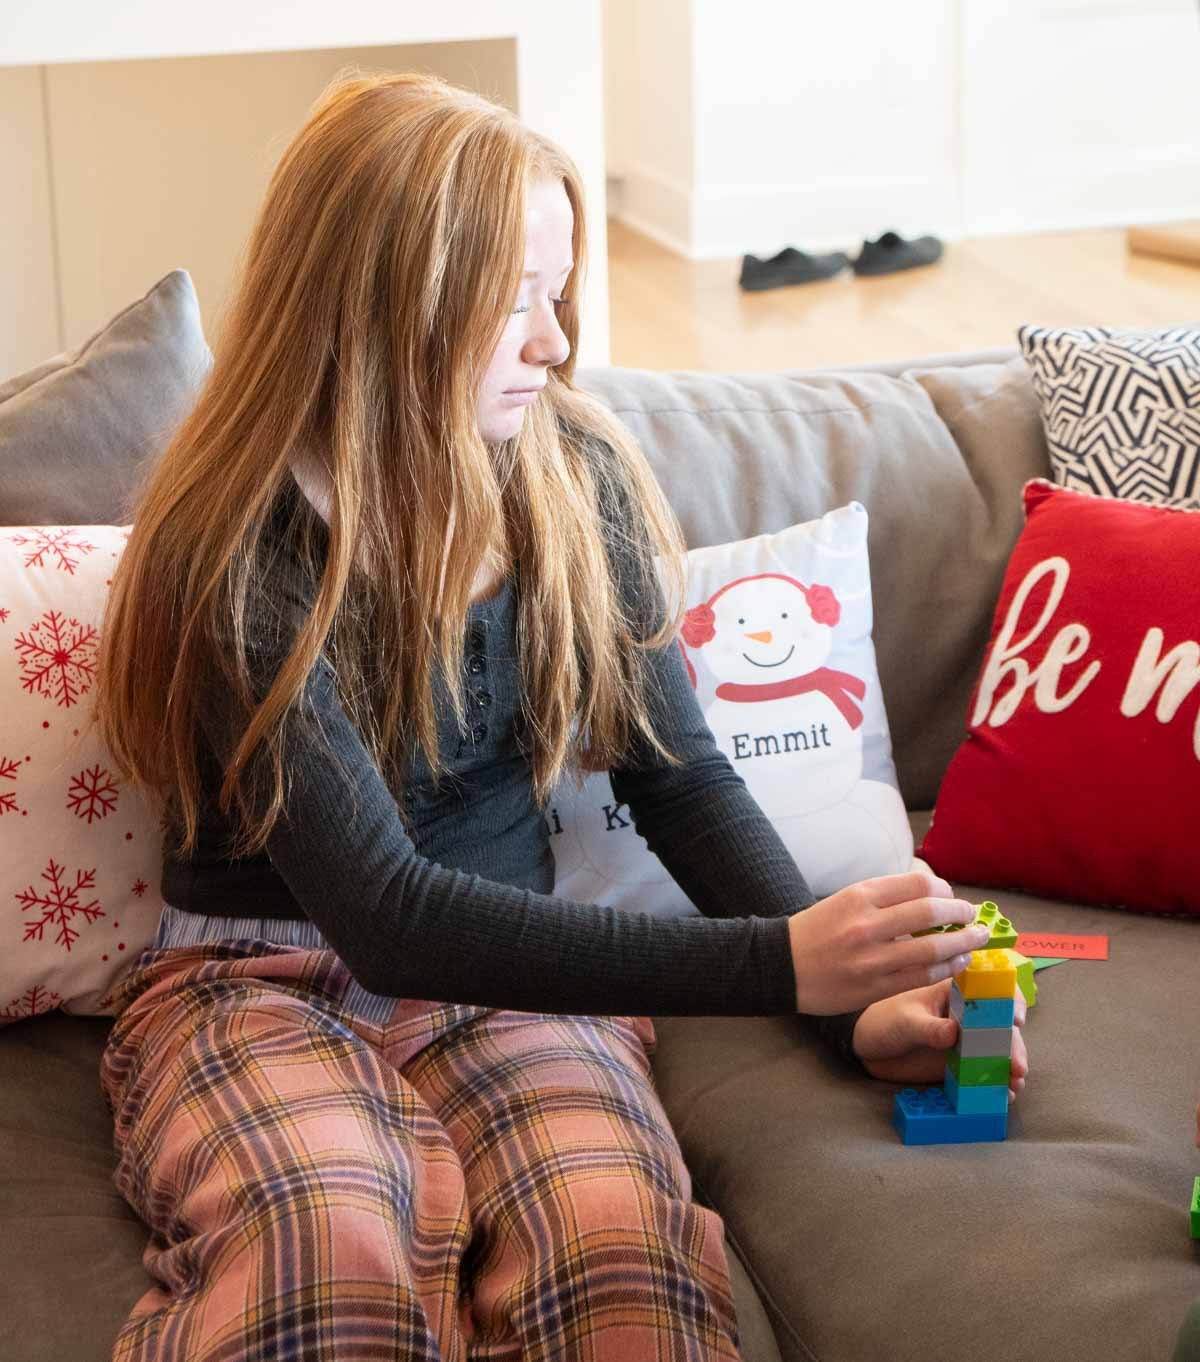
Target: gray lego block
975	1042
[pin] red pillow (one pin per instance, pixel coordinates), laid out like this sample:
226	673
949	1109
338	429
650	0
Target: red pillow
1080	774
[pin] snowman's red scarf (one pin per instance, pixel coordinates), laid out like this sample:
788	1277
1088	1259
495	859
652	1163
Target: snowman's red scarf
829	682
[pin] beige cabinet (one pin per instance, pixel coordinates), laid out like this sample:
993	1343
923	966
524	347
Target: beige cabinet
155	155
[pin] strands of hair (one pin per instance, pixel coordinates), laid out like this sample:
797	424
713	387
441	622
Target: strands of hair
384	261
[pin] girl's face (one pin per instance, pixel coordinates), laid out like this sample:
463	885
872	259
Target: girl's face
532	341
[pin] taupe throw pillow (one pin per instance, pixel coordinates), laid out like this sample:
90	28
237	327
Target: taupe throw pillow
76	430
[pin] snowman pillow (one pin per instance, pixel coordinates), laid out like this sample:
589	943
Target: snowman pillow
777	637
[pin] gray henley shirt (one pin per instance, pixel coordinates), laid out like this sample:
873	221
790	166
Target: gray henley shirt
454	901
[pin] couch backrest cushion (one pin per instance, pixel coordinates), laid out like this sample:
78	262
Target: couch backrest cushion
937	454
77	432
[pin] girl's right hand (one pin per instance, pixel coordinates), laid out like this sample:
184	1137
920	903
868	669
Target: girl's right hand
856	946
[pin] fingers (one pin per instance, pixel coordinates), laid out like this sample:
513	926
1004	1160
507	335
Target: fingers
918	915
941	955
1020	1064
884	891
1020	1055
919	975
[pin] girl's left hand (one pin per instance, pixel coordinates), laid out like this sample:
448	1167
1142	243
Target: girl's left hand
904	1039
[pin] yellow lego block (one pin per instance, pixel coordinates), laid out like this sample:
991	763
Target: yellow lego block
991	974
1025	980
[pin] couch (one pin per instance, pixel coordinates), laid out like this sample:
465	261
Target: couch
1067	1241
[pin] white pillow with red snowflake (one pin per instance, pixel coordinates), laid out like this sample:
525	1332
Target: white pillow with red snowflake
777	639
80	854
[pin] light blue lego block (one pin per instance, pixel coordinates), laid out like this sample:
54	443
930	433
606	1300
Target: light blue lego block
981	1042
972	1012
927	1117
968	1101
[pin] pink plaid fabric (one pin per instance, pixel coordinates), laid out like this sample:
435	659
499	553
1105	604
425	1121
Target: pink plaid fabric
454	1182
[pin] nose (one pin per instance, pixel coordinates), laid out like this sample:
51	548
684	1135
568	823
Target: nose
763	637
546	343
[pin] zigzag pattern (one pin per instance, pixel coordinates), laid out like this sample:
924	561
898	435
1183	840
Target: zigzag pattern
1121	409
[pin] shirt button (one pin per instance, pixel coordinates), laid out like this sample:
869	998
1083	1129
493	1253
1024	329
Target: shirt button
476	664
479	732
484	698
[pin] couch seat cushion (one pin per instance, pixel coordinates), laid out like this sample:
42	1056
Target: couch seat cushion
1068	1240
70	1246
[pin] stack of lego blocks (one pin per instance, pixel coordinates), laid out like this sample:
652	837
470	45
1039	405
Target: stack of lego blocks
973	1104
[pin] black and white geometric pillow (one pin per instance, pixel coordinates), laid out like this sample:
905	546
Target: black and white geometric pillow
1121	409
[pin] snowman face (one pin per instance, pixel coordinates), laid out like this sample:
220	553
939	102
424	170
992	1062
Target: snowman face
765	632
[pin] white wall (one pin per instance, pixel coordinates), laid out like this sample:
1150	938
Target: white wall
649	81
142	134
29	305
1102	127
822	123
619	30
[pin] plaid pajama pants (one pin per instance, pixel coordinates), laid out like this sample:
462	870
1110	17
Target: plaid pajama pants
327	1173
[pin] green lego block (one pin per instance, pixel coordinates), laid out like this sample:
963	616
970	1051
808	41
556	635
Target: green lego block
979	1072
1026	968
1003	933
1196	1209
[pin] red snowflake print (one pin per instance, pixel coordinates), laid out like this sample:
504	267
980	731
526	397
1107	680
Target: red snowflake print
58	658
60	905
8	798
93	794
32	1003
57	542
140	886
3	613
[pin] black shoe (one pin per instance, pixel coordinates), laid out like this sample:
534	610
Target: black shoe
892	252
790	266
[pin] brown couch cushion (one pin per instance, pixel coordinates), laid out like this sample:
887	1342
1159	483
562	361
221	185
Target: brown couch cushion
942	448
76	431
1069	1240
71	1247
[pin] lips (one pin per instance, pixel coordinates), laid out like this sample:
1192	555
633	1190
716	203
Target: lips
537	388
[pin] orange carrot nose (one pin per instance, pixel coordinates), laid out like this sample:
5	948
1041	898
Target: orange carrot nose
764	637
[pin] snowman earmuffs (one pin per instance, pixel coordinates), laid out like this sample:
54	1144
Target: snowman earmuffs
700	622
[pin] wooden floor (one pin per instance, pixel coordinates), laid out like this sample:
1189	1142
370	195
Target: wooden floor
672	313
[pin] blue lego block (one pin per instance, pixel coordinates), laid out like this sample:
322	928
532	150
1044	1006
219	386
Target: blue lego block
968	1101
927	1117
972	1012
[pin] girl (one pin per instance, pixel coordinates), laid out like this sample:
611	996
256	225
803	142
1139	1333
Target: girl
376	1090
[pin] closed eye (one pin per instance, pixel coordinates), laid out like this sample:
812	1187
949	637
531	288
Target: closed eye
553	300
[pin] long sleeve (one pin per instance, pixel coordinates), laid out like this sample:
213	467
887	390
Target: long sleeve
407	926
705	826
700	819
